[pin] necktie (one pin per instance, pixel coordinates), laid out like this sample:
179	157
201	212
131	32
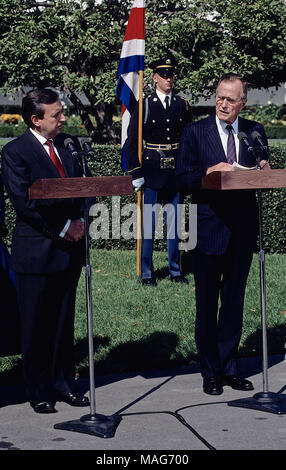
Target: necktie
167	103
231	153
55	159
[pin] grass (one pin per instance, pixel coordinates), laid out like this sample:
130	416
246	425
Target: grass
137	328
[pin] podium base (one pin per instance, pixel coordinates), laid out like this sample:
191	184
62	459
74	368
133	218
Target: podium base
264	401
93	424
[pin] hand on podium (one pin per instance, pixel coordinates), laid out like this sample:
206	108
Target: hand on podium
75	231
264	164
222	166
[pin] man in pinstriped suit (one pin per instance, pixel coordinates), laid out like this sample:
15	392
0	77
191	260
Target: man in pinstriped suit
227	231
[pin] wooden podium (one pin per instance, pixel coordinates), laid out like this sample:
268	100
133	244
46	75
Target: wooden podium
255	180
245	179
58	188
86	187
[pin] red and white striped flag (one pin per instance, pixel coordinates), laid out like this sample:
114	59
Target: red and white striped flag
131	61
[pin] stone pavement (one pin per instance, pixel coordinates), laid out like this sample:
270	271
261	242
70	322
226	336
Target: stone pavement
160	410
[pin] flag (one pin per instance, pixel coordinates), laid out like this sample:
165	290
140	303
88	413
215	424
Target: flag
131	61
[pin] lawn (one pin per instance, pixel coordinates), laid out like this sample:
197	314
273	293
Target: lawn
137	328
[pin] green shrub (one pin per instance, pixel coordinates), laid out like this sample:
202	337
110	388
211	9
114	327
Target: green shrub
268	115
275	132
12	130
274	207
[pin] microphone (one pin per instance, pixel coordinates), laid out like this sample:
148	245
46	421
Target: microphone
242	137
87	146
69	144
258	138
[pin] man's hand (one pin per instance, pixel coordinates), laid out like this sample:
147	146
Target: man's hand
75	231
220	167
264	164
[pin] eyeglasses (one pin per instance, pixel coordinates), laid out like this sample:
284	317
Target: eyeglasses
230	101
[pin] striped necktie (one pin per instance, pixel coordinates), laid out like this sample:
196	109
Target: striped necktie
231	152
55	159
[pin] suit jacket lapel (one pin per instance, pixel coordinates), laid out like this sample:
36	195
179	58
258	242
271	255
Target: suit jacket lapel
173	101
243	152
66	159
156	101
39	154
214	138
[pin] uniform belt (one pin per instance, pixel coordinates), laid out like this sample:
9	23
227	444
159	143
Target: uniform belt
162	146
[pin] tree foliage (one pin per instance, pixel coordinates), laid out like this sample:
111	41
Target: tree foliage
212	37
75	45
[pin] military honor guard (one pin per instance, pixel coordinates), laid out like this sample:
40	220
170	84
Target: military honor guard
164	116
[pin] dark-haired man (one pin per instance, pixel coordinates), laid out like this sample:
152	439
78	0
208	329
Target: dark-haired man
165	115
226	232
47	252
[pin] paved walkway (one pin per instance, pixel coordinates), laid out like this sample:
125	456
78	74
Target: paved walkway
159	410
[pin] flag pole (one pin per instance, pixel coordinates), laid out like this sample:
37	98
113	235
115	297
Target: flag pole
140	193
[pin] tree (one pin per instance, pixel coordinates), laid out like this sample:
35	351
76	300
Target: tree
75	46
212	37
66	45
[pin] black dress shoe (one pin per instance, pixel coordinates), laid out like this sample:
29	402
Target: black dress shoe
212	386
149	282
180	279
73	400
237	383
43	407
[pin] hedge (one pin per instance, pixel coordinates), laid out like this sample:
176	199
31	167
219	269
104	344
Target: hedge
14	130
107	162
275	132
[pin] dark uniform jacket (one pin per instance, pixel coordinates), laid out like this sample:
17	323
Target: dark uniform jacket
159	127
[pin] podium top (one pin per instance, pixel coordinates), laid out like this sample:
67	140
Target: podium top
245	179
61	188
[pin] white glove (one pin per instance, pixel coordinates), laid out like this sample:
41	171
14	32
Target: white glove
138	183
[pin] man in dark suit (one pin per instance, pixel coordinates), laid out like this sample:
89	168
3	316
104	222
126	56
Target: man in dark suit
47	252
227	223
165	115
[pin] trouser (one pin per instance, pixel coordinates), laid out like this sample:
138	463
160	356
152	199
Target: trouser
170	201
47	305
218	335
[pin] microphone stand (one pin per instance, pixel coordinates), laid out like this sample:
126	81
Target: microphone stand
93	423
264	401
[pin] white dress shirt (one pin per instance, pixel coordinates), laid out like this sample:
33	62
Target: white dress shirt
162	97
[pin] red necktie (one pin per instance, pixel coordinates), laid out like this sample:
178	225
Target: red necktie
55	159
